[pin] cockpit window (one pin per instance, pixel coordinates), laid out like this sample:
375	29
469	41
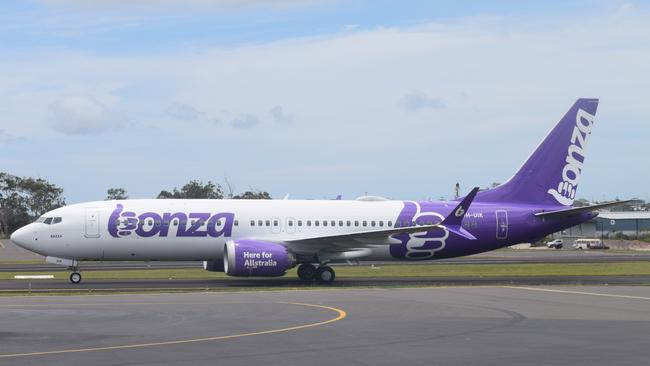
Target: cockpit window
49	220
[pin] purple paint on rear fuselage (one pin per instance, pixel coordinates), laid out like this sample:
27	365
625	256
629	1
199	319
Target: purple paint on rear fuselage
482	221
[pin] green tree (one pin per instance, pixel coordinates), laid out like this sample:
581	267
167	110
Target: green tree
194	189
580	202
116	194
23	199
252	195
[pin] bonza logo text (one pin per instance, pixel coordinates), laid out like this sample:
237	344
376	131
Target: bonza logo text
566	189
123	223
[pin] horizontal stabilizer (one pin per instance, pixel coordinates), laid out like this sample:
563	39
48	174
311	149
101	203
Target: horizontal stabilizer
460	231
578	210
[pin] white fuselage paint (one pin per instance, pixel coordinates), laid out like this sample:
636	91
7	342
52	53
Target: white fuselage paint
76	237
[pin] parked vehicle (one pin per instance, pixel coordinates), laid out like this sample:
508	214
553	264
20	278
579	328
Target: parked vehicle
589	244
555	244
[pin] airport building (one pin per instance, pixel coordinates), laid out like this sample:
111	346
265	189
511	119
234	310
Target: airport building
607	224
626	222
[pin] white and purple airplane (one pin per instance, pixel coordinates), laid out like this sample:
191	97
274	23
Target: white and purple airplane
268	237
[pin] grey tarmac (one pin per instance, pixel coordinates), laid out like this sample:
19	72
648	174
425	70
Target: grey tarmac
504	325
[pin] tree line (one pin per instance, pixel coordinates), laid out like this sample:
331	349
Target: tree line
24	199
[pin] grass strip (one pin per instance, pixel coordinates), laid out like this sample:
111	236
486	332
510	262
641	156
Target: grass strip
421	270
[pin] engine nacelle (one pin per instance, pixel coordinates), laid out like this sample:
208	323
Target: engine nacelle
253	258
213	266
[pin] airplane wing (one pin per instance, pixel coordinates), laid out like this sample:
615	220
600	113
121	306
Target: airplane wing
578	210
453	223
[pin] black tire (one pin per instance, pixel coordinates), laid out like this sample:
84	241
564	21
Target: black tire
306	272
75	277
325	275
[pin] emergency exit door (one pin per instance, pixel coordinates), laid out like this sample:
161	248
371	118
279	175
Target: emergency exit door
502	224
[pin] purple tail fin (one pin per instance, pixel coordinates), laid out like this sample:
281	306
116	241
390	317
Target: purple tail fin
551	174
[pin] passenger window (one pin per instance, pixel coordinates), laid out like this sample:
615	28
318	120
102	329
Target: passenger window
157	222
252	222
372	223
236	222
150	222
275	222
365	223
268	222
175	222
316	223
259	222
347	223
340	222
324	222
308	222
381	223
390	223
290	223
333	223
299	222
356	223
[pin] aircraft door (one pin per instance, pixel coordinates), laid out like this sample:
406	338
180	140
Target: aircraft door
502	224
92	223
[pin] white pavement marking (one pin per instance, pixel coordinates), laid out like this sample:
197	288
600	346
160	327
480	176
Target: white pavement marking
33	277
577	292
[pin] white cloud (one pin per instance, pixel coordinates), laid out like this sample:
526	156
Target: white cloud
8	137
182	111
245	121
81	115
280	117
419	100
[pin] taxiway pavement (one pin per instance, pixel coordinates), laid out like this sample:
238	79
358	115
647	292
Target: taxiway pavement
428	326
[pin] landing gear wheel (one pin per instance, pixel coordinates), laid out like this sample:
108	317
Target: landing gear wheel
75	277
325	275
306	272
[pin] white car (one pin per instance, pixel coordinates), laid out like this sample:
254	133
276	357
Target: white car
555	244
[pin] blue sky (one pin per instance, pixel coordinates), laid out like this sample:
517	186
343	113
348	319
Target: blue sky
317	98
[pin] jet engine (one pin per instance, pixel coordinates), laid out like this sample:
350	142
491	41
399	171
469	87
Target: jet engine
254	258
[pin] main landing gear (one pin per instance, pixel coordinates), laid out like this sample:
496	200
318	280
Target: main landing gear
322	274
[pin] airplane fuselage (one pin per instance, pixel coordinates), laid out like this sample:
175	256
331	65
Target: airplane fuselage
198	229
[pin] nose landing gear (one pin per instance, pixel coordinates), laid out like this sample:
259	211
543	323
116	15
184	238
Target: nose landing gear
75	277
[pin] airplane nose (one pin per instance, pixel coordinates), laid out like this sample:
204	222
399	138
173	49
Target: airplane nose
20	237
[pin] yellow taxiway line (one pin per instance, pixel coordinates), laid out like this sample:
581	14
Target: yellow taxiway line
341	314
